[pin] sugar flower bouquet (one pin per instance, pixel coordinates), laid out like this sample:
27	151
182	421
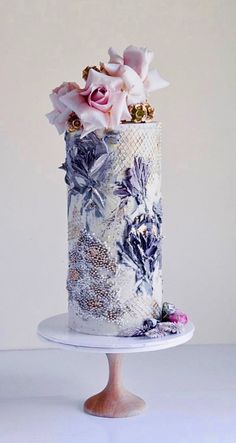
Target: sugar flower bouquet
114	92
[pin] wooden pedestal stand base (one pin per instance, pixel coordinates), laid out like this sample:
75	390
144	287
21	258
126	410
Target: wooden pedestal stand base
114	401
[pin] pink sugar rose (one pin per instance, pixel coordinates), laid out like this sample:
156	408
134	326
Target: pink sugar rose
61	112
133	68
178	317
101	104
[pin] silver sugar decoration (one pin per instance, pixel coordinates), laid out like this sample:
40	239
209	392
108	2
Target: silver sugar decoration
167	309
87	165
134	183
163	329
90	281
141	250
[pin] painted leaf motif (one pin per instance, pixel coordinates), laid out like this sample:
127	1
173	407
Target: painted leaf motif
135	182
87	165
141	250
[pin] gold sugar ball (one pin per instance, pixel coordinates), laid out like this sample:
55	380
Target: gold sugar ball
150	112
141	112
138	112
73	123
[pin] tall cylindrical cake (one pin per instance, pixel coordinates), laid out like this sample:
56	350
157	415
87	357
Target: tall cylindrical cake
113	176
114	225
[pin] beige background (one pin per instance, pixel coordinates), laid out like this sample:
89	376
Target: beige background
45	42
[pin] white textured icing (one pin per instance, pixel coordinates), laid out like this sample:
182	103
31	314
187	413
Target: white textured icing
136	140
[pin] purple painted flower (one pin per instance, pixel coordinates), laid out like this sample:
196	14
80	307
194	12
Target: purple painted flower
141	250
87	164
134	184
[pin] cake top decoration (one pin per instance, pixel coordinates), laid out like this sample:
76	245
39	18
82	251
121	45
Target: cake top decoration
113	93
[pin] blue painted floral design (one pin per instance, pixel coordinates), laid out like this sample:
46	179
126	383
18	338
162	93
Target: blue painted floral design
141	250
157	209
134	184
87	164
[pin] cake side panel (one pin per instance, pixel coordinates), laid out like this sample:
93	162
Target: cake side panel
114	230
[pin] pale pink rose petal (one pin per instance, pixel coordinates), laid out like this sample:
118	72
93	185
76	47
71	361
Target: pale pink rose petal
73	85
65	87
63	116
100	95
138	59
115	57
125	113
93	120
90	118
154	81
58	92
57	104
96	79
59	119
86	91
61	112
112	69
97	118
73	100
119	110
103	100
133	84
103	104
51	116
101	107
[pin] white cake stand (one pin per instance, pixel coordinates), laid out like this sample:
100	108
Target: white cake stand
114	400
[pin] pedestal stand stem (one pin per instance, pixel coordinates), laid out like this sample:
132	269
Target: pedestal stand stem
114	400
115	383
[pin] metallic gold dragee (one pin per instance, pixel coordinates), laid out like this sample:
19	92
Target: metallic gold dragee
150	111
141	112
73	123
